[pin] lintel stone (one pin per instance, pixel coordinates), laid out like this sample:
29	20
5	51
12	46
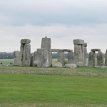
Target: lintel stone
25	41
93	50
78	42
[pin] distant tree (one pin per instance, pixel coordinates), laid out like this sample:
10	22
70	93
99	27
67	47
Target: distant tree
6	55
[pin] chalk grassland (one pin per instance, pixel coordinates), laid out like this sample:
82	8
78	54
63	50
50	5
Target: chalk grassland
6	62
53	87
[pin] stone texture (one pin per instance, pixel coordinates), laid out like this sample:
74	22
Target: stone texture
91	61
79	52
78	42
25	51
70	65
44	55
95	59
94	50
85	55
25	41
56	64
17	58
71	58
46	43
44	58
31	60
61	57
35	58
100	59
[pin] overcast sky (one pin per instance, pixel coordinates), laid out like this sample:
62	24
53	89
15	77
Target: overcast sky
61	20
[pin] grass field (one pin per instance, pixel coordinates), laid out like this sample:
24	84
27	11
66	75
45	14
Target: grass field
53	87
6	62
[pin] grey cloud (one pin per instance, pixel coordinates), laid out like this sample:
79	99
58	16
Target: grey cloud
46	14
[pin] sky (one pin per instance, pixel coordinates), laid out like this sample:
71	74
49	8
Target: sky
60	20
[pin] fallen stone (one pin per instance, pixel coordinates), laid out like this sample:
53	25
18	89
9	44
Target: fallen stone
57	64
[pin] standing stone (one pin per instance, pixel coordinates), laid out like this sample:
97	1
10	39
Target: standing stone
100	59
71	57
61	57
94	55
35	58
85	55
46	43
79	51
91	61
17	58
44	58
44	55
31	60
25	51
106	58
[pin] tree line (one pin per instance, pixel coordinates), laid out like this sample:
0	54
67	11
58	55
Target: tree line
6	55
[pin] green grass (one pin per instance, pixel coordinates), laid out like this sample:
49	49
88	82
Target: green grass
6	62
44	87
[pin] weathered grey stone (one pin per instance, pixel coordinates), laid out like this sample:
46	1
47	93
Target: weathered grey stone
25	41
78	42
91	61
25	51
44	58
106	58
61	57
63	50
35	58
46	43
56	64
71	57
79	52
100	59
31	60
85	54
94	50
70	65
17	58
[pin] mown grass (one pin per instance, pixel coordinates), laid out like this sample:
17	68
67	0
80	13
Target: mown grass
44	87
6	62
